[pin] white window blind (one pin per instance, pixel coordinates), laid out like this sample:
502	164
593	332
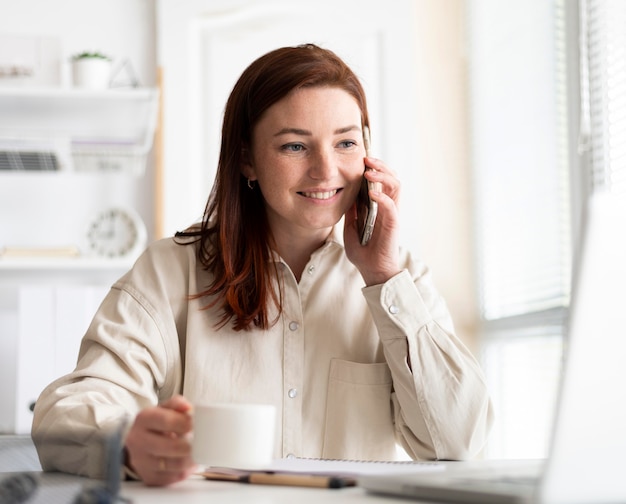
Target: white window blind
604	88
520	156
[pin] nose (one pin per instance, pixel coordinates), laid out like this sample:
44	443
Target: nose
323	164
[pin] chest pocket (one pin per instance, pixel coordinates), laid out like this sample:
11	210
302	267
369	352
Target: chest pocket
359	418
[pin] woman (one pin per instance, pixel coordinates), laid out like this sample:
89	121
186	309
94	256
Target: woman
267	301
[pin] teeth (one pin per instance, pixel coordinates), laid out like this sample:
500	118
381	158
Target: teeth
320	195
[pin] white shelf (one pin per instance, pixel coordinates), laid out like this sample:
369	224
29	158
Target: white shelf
109	130
16	273
127	116
63	264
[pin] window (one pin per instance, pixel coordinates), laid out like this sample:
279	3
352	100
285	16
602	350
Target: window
548	121
521	173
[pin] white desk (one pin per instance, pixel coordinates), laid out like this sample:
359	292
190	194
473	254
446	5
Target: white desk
197	490
57	488
18	454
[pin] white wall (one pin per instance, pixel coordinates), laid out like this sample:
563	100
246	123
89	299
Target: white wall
121	28
40	209
124	29
444	192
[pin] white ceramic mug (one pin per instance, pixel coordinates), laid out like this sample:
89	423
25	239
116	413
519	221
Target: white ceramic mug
233	435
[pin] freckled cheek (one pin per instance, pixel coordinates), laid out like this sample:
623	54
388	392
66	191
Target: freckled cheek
275	172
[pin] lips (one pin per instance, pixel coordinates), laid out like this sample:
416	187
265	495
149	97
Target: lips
320	195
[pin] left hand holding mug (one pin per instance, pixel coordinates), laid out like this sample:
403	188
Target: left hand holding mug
157	444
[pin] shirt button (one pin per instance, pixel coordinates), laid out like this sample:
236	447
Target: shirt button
291	456
293	326
393	309
310	270
292	393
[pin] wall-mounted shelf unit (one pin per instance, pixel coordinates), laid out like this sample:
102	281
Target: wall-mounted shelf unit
75	129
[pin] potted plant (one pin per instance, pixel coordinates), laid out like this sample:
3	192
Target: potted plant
91	70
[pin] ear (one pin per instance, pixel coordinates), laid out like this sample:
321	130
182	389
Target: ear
247	168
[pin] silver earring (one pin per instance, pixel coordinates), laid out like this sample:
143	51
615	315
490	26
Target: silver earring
250	184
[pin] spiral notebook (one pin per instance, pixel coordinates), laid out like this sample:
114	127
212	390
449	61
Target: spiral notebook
327	473
352	467
585	463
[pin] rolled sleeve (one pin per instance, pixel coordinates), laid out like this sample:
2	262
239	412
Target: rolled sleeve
440	400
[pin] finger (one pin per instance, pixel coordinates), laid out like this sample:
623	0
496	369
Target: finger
178	403
172	464
379	172
387	206
164	472
151	463
378	165
163	420
157	459
165	445
160	460
386	183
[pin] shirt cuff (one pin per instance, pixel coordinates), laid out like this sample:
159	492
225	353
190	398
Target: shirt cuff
397	305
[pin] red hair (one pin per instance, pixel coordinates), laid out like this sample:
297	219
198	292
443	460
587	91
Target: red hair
235	238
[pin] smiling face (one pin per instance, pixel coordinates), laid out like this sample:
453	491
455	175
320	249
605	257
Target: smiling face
307	156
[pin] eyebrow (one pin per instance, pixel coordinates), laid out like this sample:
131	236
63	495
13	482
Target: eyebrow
298	131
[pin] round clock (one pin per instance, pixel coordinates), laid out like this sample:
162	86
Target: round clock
116	233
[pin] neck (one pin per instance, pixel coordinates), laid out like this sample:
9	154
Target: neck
296	250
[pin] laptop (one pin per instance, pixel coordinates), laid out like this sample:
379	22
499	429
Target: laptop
585	463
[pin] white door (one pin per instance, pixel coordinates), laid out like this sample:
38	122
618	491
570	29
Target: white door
204	45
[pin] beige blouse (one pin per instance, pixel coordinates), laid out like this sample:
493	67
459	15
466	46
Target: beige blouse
336	364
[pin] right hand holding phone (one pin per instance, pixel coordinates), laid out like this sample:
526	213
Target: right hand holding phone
377	261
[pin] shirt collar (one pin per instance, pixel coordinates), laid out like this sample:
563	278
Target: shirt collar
334	238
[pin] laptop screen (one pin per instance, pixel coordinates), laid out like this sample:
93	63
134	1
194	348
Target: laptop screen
589	439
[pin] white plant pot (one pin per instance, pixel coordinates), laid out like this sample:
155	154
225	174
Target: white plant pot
91	73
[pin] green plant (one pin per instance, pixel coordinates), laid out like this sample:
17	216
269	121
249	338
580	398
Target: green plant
94	55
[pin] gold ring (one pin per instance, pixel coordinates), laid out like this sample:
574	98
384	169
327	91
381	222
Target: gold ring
162	464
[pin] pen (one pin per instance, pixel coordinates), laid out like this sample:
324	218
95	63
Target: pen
284	479
301	480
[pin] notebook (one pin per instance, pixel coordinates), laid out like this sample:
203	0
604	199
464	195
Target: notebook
588	444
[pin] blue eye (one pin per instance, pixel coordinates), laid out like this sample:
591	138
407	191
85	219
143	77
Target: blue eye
347	144
293	147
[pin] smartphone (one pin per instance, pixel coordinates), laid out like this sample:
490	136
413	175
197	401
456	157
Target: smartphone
365	207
